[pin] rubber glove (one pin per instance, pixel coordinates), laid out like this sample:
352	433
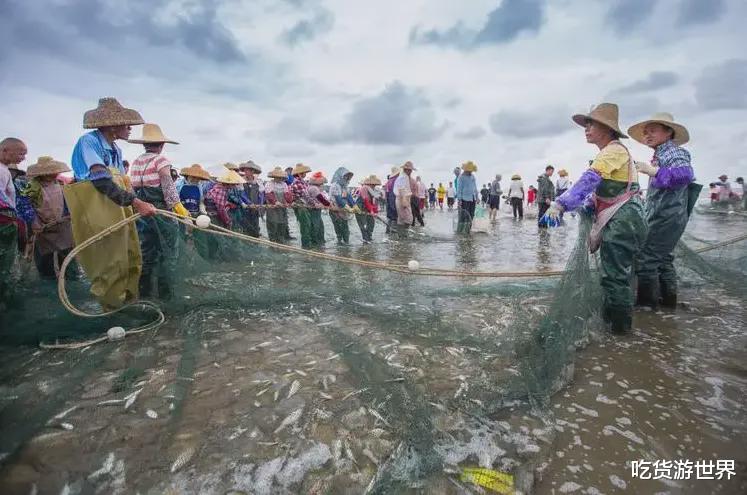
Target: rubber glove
180	210
356	209
348	209
645	168
552	215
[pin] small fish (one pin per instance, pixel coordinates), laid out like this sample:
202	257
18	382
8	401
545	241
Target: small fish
66	426
151	414
130	399
310	363
112	402
66	412
276	395
295	386
377	432
105	468
325	396
182	459
261	392
349	451
333	356
290	420
286	355
356	392
378	416
267	444
302	373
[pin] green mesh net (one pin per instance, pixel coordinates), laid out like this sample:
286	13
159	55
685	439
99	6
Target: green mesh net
281	373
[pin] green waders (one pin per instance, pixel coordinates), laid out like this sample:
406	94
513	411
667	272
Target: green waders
8	250
667	213
366	223
317	228
277	224
304	225
158	238
340	223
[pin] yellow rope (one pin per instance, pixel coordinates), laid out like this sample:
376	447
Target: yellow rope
217	230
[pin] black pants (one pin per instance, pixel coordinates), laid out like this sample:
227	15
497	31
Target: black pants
466	214
416	215
543	207
47	267
517	204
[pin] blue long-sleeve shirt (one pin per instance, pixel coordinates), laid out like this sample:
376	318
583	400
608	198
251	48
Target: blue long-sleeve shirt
467	188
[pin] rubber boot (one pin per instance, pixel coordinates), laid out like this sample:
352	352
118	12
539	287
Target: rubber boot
620	318
669	294
145	284
647	293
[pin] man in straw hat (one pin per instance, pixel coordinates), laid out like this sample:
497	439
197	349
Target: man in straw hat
516	196
151	179
619	229
12	152
366	202
403	193
316	198
340	194
53	235
391	199
667	206
254	197
278	194
467	197
300	209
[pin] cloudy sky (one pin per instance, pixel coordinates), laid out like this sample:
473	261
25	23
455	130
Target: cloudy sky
371	84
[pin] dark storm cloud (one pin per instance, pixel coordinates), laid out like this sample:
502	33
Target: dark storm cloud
475	132
308	29
626	15
504	24
655	80
700	11
60	27
721	86
531	124
398	115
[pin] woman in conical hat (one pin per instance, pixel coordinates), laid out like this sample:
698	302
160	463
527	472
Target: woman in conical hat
253	194
224	202
366	203
53	234
667	206
317	198
278	194
298	189
338	191
619	228
99	198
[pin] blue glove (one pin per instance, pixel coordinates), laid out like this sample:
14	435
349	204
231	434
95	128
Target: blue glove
551	218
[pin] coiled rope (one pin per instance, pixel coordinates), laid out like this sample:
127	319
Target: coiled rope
217	230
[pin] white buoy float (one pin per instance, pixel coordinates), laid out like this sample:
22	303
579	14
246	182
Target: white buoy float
413	265
115	333
203	221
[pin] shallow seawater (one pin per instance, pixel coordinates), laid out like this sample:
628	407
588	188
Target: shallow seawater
279	374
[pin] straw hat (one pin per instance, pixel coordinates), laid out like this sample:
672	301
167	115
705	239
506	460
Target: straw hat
250	165
395	170
516	177
46	165
277	173
681	136
300	168
408	166
371	180
563	172
195	170
317	179
110	113
230	177
231	166
469	166
152	134
14	167
606	114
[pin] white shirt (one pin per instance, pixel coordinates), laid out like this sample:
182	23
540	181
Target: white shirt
450	192
515	189
402	186
7	189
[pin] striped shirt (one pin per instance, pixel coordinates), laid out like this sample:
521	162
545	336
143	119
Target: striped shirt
144	170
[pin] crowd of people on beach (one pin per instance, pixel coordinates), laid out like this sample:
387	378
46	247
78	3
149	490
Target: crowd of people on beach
44	212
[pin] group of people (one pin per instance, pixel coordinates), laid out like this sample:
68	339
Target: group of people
37	211
722	194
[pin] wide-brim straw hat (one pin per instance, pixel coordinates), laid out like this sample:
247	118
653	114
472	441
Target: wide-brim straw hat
681	136
469	166
14	166
231	166
395	170
110	113
251	165
195	170
317	179
606	114
371	180
277	173
231	177
300	168
152	134
408	166
46	165
563	172
516	177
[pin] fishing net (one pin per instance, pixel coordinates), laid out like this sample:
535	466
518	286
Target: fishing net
278	372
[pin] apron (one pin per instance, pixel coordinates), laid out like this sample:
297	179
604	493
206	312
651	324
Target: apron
113	264
607	207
